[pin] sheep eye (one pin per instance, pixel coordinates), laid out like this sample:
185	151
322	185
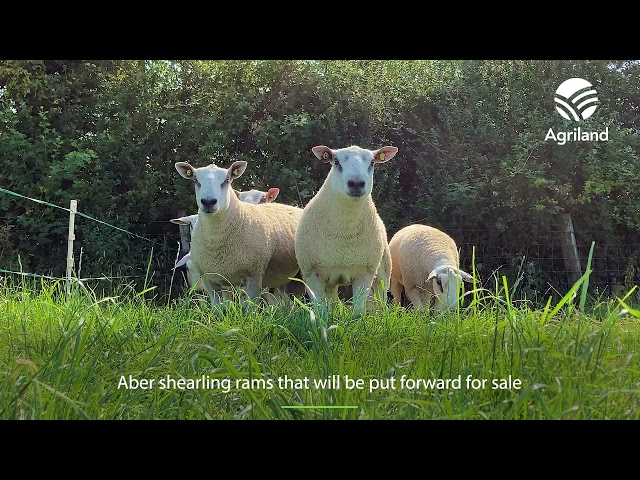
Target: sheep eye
226	182
196	182
439	282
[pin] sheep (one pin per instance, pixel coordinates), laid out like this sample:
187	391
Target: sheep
258	196
419	254
238	243
341	239
251	196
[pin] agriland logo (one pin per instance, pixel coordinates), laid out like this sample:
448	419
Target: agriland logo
576	100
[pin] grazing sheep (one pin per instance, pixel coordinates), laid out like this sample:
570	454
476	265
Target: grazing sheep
420	253
251	196
341	239
238	243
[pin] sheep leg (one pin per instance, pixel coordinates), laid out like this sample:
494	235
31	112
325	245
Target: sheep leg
361	289
316	287
253	286
211	289
414	296
396	291
331	291
278	295
270	298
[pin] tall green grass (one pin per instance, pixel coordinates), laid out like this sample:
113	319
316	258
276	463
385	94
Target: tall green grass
64	357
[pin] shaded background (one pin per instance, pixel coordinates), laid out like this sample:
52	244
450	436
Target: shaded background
472	158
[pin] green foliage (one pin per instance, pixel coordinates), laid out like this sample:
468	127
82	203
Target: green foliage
472	157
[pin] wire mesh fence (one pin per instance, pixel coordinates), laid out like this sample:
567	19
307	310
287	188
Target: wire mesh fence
543	269
538	265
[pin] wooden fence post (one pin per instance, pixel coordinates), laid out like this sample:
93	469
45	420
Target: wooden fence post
570	249
73	208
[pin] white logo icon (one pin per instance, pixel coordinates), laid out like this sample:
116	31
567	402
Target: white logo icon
576	99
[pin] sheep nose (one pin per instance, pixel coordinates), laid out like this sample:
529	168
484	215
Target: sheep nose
208	203
353	184
356	188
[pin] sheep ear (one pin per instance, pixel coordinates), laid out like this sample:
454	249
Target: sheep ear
237	169
465	276
186	170
435	272
180	221
188	220
272	193
182	261
323	153
384	154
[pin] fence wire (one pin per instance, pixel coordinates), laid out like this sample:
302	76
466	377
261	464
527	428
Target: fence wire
540	267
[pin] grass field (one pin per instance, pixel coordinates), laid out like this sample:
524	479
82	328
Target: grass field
79	357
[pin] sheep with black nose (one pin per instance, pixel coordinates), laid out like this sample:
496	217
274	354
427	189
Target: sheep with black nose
250	196
341	238
250	247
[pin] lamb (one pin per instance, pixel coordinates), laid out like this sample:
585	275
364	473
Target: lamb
237	243
341	239
419	254
251	196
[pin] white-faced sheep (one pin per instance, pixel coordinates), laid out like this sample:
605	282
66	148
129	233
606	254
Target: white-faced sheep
250	196
425	262
236	243
341	239
258	196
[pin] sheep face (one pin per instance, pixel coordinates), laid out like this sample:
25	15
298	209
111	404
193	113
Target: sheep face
258	196
351	174
446	282
212	184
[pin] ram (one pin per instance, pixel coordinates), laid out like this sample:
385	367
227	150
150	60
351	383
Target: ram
250	196
341	239
235	243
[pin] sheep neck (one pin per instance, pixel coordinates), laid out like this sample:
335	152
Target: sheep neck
222	224
337	209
